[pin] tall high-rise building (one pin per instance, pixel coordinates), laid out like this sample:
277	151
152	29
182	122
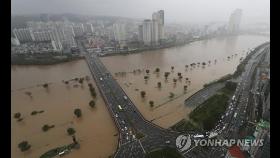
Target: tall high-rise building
59	28
41	35
152	31
69	34
56	41
161	24
78	30
24	35
155	32
88	28
140	32
161	17
119	30
147	32
234	21
15	41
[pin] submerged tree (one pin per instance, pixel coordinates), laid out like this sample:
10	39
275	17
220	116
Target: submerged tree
159	84
45	85
143	94
157	70
90	85
147	71
166	74
78	112
24	146
46	127
92	103
71	131
179	74
81	80
171	95
185	87
151	103
146	77
17	115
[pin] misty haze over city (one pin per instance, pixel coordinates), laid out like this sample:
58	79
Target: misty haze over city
179	11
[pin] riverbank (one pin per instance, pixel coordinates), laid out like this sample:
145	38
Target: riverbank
43	59
140	50
205	115
240	68
170	45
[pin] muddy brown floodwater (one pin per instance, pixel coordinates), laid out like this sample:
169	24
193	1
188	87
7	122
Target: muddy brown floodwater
95	130
166	113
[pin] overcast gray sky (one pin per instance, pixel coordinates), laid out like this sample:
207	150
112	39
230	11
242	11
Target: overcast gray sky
193	11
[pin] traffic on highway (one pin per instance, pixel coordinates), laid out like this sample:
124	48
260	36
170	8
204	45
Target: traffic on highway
137	136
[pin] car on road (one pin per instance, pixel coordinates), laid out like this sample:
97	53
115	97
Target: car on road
213	134
120	108
62	153
125	97
198	136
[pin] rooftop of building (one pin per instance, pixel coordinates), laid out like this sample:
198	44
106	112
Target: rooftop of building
236	152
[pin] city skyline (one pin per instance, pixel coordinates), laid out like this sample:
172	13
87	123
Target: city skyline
178	12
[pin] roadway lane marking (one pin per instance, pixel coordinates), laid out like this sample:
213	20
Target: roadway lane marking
142	146
189	150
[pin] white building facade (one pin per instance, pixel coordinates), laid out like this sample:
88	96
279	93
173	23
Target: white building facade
120	34
24	34
147	32
234	21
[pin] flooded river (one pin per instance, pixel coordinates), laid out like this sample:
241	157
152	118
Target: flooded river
165	112
95	130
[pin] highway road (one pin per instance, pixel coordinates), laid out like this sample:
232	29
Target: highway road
128	119
236	113
202	95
